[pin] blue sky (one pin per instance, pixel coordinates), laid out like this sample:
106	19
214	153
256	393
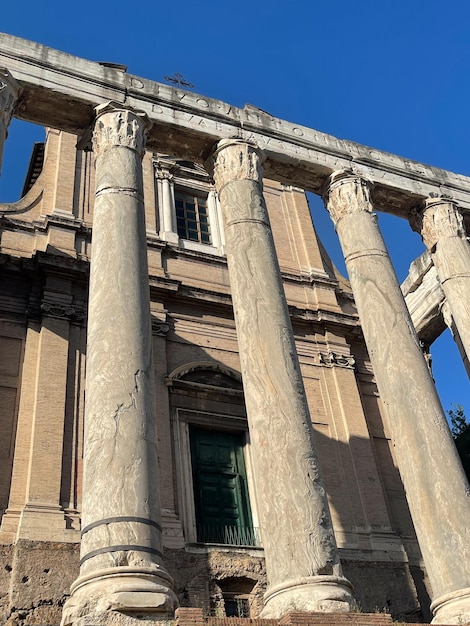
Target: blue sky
392	75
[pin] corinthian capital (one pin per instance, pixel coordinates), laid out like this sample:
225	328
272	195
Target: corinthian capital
437	218
347	193
9	89
117	126
235	159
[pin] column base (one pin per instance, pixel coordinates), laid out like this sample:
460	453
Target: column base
324	594
120	596
43	522
9	526
452	608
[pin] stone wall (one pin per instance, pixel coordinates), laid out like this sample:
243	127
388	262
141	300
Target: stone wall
35	578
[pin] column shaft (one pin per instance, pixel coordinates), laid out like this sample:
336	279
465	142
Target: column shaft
443	232
121	559
436	488
301	556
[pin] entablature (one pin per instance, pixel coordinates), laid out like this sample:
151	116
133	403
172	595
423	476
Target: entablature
62	91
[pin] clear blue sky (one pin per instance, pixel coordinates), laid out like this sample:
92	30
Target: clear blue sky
392	75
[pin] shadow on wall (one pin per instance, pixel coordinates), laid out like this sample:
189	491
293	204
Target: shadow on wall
382	582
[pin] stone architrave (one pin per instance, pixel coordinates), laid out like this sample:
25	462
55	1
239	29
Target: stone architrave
443	232
9	90
436	487
121	569
302	563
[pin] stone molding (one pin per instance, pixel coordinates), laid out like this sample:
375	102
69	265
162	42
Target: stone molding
332	358
159	327
56	310
118	126
347	193
437	218
61	311
296	154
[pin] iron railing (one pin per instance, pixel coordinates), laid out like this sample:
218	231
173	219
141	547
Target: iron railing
229	535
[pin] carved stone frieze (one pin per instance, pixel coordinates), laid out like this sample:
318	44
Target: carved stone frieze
118	126
331	358
159	327
242	162
347	193
437	218
62	311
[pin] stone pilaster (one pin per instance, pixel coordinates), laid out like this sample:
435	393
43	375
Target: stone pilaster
302	561
9	90
213	210
441	227
436	488
166	203
35	509
121	571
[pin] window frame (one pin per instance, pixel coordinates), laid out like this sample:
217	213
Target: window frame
196	197
193	180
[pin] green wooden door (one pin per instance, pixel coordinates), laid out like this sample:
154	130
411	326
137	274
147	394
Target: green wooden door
220	491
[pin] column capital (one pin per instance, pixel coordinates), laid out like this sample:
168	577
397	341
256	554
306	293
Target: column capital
164	174
9	90
235	159
437	218
119	126
345	193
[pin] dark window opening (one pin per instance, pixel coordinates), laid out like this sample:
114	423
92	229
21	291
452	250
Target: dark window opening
237	593
192	218
236	607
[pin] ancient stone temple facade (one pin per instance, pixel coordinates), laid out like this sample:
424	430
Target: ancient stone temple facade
196	408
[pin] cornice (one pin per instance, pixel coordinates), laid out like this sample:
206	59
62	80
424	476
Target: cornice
61	91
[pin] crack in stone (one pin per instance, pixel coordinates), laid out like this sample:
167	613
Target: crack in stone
125	408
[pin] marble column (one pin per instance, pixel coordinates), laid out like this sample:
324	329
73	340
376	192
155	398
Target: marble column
302	563
9	89
440	224
122	576
435	484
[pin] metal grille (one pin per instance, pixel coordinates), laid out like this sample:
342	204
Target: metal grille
229	535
